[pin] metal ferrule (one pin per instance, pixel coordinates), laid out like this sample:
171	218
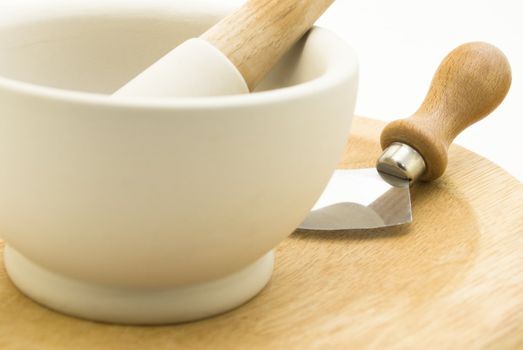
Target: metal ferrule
399	163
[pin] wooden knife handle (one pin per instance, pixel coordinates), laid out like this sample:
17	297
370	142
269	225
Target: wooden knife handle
256	36
469	84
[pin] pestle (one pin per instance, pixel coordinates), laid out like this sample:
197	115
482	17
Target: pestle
231	57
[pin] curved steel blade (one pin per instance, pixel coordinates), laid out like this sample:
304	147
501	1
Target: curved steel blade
359	199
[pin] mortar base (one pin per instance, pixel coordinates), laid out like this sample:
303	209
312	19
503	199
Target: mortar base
136	306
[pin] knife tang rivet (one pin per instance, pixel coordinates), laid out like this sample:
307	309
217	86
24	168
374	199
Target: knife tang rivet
401	161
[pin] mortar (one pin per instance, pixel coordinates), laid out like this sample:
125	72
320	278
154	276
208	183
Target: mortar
150	210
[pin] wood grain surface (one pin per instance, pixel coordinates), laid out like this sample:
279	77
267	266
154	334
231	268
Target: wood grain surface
453	279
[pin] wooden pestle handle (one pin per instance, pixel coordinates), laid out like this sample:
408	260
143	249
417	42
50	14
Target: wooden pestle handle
256	35
469	84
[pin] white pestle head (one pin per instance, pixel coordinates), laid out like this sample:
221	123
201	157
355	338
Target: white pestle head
194	68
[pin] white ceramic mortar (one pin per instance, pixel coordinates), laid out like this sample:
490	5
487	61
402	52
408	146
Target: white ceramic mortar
155	210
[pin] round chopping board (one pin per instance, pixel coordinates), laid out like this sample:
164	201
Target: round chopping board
453	279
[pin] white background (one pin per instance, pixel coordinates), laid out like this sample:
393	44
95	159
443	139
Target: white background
400	44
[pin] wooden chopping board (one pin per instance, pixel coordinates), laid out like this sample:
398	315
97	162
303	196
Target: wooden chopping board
451	280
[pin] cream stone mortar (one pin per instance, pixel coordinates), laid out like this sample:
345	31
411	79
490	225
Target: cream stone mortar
155	210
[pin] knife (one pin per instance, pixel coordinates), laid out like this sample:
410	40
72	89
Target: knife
471	81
